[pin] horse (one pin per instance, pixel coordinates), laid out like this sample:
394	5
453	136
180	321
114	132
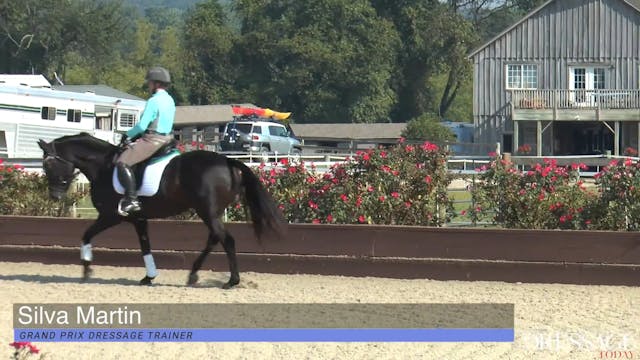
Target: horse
205	181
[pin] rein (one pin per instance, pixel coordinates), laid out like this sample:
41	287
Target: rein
55	156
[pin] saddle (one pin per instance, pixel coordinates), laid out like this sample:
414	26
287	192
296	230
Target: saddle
139	168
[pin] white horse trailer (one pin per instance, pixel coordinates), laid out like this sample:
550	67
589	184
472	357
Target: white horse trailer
28	114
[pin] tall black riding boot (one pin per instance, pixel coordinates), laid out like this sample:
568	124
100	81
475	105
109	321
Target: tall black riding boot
129	203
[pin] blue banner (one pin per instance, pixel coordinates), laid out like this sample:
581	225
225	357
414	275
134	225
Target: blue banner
264	335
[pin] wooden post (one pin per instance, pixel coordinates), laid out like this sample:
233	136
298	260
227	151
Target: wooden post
616	138
516	134
555	105
553	139
539	138
638	148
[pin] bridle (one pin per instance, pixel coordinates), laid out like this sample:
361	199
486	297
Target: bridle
53	155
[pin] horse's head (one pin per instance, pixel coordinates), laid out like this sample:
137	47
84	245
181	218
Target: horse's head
59	171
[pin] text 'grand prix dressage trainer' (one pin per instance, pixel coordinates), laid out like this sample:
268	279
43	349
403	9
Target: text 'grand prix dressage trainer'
154	131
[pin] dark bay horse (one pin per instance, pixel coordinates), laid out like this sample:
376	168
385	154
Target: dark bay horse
201	180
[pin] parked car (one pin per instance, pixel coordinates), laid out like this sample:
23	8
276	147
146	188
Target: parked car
264	137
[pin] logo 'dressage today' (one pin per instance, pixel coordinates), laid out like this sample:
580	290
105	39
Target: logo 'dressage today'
606	345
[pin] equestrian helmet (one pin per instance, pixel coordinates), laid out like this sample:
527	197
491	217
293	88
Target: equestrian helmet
158	74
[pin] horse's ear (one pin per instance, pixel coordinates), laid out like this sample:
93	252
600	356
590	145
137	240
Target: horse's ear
44	146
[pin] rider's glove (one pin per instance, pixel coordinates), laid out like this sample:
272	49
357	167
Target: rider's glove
124	140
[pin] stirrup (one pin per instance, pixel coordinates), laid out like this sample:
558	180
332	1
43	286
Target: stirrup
131	207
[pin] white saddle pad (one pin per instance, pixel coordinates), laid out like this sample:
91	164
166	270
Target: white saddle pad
150	180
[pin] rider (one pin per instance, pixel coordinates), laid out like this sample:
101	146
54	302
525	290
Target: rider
153	130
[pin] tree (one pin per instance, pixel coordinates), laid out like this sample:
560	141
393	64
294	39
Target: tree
461	108
435	41
427	127
163	17
324	60
171	56
490	17
126	69
209	72
38	34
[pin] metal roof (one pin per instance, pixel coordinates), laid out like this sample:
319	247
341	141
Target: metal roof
24	79
102	90
633	3
98	100
359	131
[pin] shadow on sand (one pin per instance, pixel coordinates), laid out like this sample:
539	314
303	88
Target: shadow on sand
57	279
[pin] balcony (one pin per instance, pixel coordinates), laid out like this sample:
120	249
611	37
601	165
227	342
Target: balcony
575	105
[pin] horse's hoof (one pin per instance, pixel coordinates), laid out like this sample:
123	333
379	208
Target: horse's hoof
193	279
146	280
230	284
86	274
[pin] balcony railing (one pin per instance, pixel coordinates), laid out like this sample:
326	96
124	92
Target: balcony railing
576	99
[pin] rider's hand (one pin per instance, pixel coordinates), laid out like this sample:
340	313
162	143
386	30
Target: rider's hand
124	140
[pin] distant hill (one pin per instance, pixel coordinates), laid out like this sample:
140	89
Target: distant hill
180	5
177	4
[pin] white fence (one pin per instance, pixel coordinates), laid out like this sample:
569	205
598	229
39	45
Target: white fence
457	165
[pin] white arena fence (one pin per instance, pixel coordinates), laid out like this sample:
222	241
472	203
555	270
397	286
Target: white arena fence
461	165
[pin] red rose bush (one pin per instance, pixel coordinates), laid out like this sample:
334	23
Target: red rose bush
405	185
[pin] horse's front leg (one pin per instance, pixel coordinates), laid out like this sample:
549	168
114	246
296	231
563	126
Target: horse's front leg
141	226
86	256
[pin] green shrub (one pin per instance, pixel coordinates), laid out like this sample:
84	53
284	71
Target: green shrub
428	127
23	193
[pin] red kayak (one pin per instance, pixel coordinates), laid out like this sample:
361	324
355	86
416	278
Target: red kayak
266	113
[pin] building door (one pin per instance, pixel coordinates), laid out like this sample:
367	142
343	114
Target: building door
582	138
582	82
4	151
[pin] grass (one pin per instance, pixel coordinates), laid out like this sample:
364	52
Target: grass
461	201
85	209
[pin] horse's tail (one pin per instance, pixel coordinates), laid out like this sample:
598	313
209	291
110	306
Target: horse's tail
264	213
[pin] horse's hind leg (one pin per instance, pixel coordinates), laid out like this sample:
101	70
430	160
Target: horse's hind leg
212	240
217	232
141	226
100	225
229	245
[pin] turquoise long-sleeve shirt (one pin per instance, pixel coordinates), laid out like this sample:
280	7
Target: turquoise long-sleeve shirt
160	107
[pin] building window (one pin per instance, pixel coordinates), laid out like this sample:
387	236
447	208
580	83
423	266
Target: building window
74	115
48	113
598	78
127	120
507	143
522	76
579	78
103	123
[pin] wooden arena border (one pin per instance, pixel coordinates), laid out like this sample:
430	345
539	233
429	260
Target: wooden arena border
531	256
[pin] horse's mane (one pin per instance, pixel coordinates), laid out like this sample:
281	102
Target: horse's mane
87	139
